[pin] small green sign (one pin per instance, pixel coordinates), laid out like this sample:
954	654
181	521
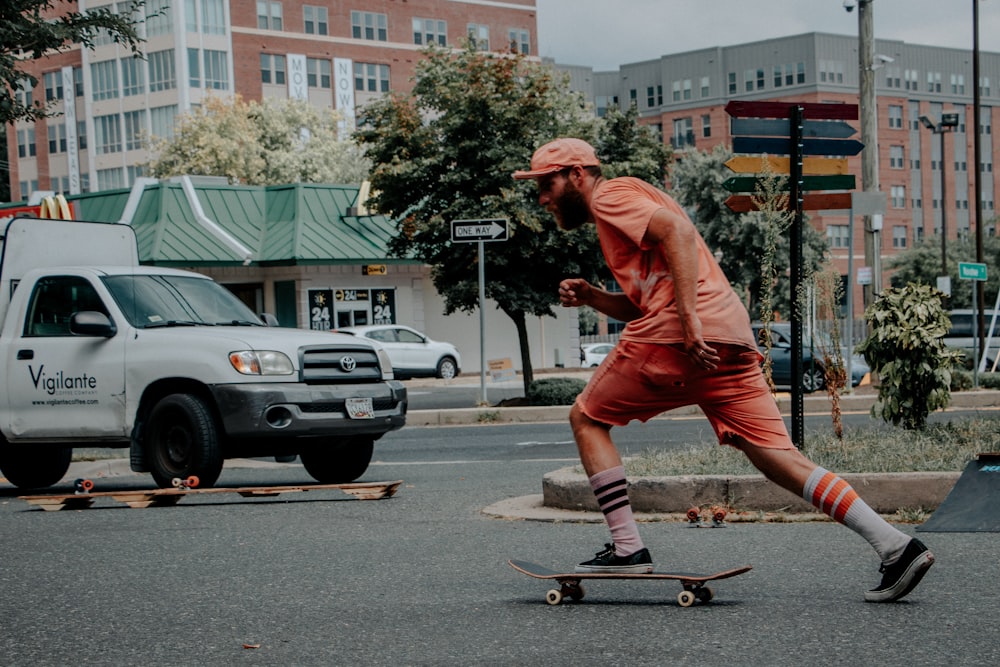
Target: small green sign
971	271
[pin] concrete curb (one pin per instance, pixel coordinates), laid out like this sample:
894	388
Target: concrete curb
814	405
886	493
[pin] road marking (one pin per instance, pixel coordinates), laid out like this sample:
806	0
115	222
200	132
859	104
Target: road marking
535	443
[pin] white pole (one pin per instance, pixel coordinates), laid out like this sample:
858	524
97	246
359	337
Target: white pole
482	326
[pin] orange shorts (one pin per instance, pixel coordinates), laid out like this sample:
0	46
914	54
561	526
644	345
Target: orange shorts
642	380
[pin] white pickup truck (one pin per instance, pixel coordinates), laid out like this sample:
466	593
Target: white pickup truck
98	351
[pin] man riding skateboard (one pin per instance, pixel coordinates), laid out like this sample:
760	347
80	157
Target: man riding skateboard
687	341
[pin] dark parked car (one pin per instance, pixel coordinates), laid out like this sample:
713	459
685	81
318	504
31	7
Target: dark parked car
812	362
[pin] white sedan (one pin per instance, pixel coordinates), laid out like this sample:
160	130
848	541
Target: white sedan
592	354
412	353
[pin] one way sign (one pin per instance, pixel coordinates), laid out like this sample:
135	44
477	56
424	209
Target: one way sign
463	231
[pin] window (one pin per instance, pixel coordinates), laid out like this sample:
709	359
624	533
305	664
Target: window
732	83
706	125
897	196
831	71
778	80
81	136
161	121
958	84
676	91
104	76
110	179
705	86
683	133
318	73
194	69
430	31
760	78
519	41
269	15
892	77
911	77
934	82
896	116
899	236
272	69
315	20
53	86
57	138
213	17
162	75
800	72
135	126
686	85
216	69
133	76
984	86
896	157
370	26
837	236
108	134
54	299
654	96
26	143
371	77
748	80
159	17
479	36
78	81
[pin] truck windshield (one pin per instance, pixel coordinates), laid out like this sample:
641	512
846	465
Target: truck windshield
166	301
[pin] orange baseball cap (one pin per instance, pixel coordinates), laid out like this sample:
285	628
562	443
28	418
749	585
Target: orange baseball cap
558	155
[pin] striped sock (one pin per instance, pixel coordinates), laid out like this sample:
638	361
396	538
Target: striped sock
611	491
837	499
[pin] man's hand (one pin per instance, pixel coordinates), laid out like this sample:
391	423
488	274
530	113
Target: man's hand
697	349
574	292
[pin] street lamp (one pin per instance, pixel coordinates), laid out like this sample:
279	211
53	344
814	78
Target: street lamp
948	122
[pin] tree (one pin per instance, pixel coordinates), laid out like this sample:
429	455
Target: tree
446	151
274	142
741	240
629	149
35	28
922	265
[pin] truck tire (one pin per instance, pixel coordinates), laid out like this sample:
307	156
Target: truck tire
34	467
341	463
182	440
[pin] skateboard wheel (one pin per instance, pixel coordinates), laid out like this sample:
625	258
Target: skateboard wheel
554	597
705	594
87	485
693	514
719	514
686	598
192	481
177	482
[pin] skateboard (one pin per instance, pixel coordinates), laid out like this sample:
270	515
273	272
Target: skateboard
186	486
570	585
718	516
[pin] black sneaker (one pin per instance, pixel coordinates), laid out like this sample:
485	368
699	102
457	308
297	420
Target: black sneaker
606	561
902	576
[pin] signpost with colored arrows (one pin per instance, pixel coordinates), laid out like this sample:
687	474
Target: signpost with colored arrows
795	130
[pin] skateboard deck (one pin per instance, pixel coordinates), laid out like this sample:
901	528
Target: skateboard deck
570	585
166	497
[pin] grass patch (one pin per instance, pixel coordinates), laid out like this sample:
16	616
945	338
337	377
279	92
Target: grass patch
941	447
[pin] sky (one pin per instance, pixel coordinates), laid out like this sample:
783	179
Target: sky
604	34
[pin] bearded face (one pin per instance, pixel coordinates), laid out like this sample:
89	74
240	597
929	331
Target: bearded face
570	208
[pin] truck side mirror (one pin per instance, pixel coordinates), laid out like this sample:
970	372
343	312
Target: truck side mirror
91	323
270	320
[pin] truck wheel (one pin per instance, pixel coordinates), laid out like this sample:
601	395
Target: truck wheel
34	467
813	379
182	440
341	463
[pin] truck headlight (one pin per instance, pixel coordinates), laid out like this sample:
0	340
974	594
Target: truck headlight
261	362
384	363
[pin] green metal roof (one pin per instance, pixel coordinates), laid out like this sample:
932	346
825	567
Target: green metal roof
278	225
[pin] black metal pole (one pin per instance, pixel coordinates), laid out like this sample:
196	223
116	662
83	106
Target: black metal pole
979	294
795	260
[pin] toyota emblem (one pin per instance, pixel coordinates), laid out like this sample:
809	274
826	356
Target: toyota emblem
348	363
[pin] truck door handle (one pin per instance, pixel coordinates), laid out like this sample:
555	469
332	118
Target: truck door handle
25	354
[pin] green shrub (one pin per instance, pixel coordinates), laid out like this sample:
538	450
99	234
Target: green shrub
906	349
554	391
961	380
989	380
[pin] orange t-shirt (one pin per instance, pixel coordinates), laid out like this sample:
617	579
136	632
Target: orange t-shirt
622	208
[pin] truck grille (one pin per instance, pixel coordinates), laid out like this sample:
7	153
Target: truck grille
339	364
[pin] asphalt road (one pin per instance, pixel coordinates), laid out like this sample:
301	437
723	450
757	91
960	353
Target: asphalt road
421	579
